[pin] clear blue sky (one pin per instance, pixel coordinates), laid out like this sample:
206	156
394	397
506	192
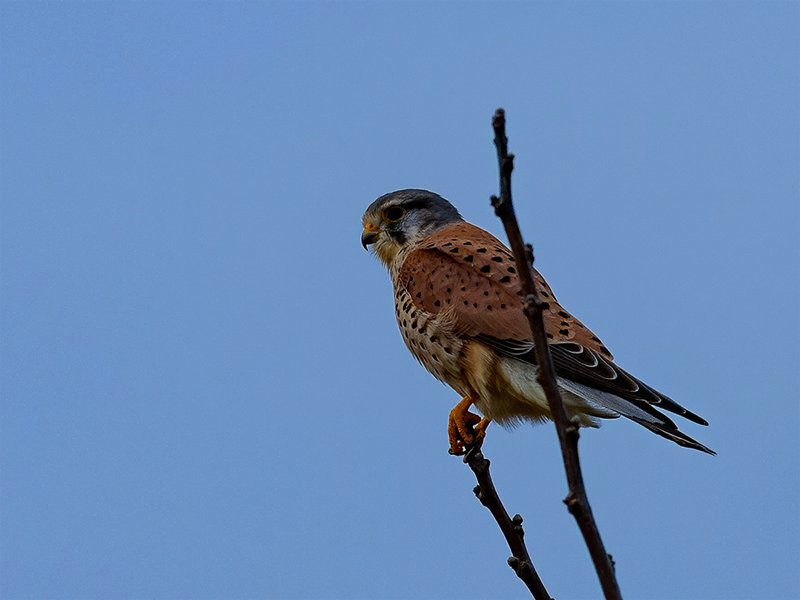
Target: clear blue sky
204	394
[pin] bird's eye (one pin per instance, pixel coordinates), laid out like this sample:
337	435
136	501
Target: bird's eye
394	213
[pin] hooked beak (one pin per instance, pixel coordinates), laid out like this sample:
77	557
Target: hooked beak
369	235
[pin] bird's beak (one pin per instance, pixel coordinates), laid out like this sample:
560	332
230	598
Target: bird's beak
369	235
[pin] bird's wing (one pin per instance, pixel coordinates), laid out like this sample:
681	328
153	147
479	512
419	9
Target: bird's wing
467	272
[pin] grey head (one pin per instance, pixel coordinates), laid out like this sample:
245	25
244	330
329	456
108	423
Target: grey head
404	217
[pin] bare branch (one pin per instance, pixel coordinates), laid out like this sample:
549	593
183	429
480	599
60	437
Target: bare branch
519	560
577	502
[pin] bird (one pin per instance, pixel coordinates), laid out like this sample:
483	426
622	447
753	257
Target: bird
459	307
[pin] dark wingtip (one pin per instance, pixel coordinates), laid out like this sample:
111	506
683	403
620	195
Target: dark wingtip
684	440
698	446
695	418
674	435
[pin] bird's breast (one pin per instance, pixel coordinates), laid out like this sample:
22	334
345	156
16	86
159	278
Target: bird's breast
431	339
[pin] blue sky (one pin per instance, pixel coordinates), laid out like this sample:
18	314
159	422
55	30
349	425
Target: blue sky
204	394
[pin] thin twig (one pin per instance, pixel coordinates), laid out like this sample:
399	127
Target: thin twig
512	530
577	502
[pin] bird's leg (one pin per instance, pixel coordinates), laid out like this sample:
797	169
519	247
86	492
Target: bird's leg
465	428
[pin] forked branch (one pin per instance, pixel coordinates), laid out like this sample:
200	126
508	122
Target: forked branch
577	501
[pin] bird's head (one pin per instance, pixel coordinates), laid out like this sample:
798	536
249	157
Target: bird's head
404	217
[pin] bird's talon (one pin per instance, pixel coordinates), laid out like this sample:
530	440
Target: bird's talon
464	428
480	428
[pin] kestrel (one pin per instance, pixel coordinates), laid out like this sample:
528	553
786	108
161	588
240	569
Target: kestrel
458	304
